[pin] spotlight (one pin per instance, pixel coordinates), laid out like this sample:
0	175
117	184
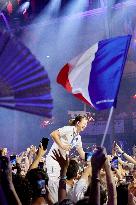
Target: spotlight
134	96
24	7
10	7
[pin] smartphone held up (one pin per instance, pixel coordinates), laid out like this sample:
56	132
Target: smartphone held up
44	142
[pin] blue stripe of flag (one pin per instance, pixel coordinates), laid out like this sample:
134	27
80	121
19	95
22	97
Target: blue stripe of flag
107	70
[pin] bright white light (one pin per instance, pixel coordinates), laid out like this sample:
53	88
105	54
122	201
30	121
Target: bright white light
24	7
55	6
47	56
75	6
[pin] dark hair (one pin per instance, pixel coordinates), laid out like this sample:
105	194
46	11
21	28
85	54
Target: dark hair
33	176
23	189
84	201
78	118
72	169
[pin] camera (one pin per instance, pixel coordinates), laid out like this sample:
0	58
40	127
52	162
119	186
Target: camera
13	160
114	162
41	186
45	142
88	156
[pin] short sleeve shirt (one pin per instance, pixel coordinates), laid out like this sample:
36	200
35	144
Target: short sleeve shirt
68	135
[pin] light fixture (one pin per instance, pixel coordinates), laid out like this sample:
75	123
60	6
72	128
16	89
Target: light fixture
24	7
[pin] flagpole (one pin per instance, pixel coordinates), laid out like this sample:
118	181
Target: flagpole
84	107
107	126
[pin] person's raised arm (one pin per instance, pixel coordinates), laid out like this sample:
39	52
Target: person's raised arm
81	152
127	157
97	162
40	154
56	137
79	148
111	187
63	162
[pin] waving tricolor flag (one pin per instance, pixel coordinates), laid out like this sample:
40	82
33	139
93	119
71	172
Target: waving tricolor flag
94	76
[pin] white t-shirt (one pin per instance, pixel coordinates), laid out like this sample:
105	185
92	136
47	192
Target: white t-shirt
74	193
80	189
67	135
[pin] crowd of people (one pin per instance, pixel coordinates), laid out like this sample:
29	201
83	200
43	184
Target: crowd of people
95	178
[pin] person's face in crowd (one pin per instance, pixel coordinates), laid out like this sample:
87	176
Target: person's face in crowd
81	125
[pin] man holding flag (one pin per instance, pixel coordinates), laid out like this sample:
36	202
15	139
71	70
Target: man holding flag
94	77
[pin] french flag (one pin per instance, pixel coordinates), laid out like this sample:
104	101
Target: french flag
94	76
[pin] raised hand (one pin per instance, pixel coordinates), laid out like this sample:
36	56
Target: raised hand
118	149
98	159
63	161
41	151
